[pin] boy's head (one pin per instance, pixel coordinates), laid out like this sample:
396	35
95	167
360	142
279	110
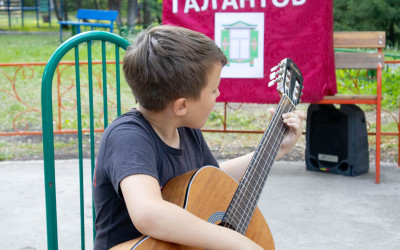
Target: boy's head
167	62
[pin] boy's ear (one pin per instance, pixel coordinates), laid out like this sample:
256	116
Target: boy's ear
180	107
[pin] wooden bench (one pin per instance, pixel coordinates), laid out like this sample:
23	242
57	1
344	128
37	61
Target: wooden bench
85	15
362	59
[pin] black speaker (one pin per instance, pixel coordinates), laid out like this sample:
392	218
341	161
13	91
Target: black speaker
337	139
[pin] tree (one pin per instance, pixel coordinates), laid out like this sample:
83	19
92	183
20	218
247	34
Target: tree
78	4
56	11
132	13
371	15
146	13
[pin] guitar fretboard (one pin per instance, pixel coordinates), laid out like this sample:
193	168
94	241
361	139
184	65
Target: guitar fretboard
244	202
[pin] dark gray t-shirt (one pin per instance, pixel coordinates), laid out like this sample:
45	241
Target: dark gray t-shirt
130	146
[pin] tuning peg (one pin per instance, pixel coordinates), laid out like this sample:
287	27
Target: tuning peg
273	75
271	83
277	80
279	66
275	68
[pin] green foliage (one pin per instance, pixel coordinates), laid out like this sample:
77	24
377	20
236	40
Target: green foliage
391	87
369	15
360	82
5	153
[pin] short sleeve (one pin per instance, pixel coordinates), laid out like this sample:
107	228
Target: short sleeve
130	150
208	157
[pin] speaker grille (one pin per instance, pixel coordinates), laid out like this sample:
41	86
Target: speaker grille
333	135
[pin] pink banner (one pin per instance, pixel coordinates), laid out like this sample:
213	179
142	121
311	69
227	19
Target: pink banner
256	35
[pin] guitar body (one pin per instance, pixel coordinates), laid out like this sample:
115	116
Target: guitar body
206	193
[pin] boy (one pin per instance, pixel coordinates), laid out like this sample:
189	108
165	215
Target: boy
174	75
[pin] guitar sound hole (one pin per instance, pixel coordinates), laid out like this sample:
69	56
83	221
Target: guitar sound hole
227	225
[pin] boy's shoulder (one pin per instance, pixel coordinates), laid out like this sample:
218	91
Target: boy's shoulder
131	120
132	116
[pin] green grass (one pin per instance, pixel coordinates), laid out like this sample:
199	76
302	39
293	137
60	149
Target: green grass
27	48
366	83
6	152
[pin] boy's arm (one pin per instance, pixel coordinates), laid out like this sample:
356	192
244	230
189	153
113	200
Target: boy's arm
165	221
237	166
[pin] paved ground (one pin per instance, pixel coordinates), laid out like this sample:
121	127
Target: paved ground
305	210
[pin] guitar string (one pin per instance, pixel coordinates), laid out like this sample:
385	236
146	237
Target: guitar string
263	175
239	202
247	212
250	205
242	190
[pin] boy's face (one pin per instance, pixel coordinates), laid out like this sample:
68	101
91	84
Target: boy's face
200	109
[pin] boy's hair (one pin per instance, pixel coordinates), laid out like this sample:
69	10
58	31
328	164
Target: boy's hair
168	62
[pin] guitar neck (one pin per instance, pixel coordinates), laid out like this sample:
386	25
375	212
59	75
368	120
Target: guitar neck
245	200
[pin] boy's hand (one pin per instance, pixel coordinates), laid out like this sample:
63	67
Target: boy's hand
294	120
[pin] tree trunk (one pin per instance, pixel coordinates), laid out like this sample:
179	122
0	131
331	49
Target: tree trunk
146	13
56	11
115	5
96	4
78	4
65	11
390	36
132	12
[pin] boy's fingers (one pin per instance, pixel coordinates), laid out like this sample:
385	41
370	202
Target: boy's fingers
271	111
296	114
293	125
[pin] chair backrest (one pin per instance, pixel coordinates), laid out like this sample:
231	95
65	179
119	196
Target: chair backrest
109	15
87	40
359	40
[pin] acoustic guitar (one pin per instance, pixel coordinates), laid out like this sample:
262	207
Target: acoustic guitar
214	196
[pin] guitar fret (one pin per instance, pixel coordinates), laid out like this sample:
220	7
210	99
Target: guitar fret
245	200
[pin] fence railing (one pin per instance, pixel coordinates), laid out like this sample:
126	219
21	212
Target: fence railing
20	112
20	85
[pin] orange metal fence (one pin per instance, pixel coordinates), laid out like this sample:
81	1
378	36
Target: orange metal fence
12	73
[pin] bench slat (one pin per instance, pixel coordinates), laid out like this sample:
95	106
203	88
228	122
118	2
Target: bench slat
107	25
348	60
350	97
84	14
109	15
359	39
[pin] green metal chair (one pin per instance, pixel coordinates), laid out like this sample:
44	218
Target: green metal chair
85	40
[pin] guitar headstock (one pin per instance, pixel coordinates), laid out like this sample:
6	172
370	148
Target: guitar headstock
288	78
